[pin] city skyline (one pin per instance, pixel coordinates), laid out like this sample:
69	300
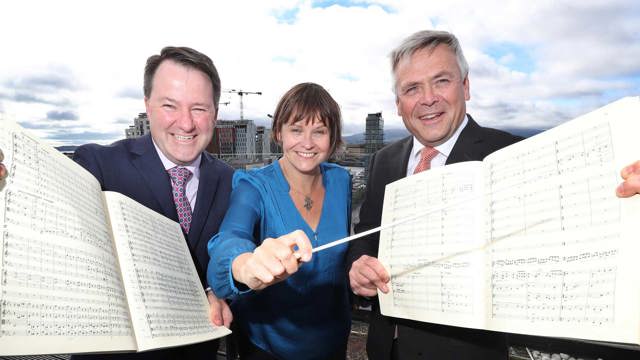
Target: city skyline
75	74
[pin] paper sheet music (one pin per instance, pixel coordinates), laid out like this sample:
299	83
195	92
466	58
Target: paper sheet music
559	255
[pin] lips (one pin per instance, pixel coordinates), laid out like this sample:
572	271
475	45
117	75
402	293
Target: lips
430	116
305	154
183	137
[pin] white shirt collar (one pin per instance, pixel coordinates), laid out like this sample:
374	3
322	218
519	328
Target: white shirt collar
445	148
194	167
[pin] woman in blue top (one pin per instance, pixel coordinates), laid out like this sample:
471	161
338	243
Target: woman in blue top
287	303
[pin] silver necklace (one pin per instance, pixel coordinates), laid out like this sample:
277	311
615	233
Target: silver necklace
308	202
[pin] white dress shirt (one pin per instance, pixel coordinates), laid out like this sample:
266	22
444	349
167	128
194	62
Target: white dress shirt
444	150
191	190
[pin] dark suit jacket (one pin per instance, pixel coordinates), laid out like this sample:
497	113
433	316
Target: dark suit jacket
423	340
132	167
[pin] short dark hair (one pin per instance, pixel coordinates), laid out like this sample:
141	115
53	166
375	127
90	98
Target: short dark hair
183	56
309	101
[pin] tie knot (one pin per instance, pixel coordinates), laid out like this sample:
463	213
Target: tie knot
428	153
179	175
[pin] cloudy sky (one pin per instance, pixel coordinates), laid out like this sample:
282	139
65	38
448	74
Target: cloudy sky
72	70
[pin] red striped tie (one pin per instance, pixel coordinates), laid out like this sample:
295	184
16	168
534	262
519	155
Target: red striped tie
426	155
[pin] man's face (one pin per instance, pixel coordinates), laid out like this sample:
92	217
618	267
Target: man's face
431	94
181	111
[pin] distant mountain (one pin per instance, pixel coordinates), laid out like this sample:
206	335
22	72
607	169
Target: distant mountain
66	148
391	135
524	132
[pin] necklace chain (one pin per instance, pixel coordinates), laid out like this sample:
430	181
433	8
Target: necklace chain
308	202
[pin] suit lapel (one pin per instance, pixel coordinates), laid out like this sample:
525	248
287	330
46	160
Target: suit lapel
398	169
150	166
465	148
207	187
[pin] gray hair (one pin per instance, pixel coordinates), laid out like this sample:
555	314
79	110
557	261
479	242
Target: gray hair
428	39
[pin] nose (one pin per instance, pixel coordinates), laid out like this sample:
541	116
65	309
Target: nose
307	139
185	121
429	96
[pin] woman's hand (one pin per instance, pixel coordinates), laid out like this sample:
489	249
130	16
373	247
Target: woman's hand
273	261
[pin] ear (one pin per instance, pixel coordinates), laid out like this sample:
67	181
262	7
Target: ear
398	106
147	106
214	117
465	84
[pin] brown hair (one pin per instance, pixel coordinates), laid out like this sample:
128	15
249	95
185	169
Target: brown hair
307	101
183	56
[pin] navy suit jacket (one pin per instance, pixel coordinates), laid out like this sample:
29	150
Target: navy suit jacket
133	168
422	340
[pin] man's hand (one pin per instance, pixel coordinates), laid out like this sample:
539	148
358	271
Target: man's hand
366	275
219	312
631	184
3	169
273	261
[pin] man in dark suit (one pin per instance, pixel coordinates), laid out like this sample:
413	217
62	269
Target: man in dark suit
182	91
431	87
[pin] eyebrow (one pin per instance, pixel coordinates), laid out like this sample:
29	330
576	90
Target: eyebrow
409	84
443	73
166	98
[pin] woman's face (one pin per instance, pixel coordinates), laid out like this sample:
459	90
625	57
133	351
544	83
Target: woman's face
305	144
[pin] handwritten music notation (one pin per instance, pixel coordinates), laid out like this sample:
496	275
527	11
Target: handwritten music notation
58	270
445	285
563	185
542	243
579	288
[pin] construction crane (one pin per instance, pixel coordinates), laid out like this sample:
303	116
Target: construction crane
242	93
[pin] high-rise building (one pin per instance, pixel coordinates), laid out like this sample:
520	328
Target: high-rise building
224	138
140	127
374	133
234	139
261	141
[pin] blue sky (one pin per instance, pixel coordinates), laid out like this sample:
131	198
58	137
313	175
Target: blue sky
72	70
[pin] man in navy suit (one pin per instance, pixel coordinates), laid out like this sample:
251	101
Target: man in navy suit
182	91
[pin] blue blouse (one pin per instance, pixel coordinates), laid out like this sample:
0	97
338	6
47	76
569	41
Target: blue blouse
306	316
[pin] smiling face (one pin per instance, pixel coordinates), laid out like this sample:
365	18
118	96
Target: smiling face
305	144
431	94
181	111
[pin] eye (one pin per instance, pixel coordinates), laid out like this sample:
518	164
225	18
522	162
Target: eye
199	110
296	130
321	131
410	90
168	106
442	81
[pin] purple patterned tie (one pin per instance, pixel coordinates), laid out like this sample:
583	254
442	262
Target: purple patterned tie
179	177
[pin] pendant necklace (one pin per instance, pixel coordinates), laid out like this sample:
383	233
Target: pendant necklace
308	202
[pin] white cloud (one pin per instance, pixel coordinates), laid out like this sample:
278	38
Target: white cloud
582	55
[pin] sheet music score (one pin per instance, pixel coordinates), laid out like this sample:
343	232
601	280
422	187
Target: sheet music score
432	260
560	254
59	280
61	277
160	279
